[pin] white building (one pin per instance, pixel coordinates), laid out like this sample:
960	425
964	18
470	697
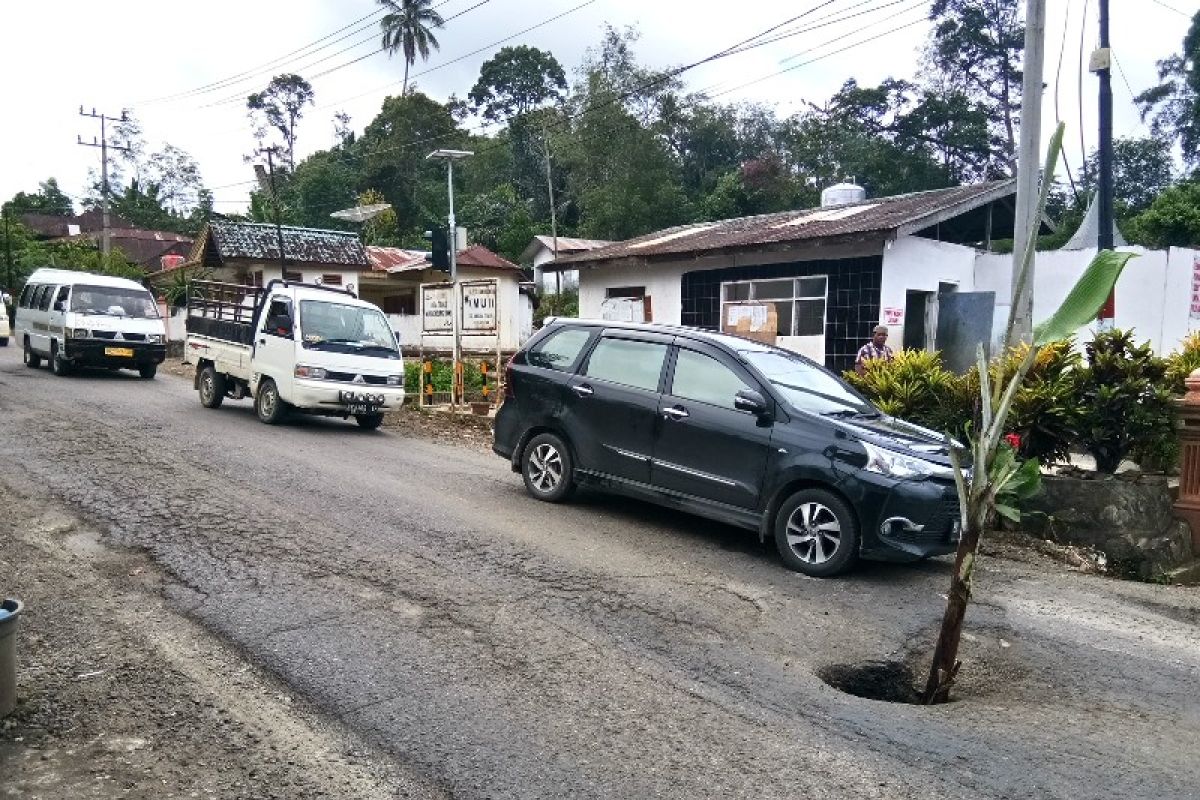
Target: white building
818	280
542	250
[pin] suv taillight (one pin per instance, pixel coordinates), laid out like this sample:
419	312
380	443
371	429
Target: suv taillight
508	374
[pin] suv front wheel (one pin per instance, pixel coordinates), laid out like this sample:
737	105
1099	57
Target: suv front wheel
816	533
547	469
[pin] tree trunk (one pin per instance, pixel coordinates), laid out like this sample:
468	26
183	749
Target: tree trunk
944	668
404	89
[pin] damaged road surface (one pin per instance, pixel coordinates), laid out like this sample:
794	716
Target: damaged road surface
461	639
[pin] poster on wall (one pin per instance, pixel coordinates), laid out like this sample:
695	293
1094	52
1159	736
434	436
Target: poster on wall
479	306
893	316
1195	306
436	302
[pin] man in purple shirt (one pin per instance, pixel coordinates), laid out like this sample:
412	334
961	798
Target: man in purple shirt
876	348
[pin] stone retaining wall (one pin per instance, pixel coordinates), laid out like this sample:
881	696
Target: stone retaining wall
1129	519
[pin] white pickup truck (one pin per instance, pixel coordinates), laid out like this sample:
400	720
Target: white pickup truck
293	347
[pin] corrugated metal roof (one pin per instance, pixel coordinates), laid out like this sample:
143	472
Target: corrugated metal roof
479	256
566	244
259	242
899	214
396	259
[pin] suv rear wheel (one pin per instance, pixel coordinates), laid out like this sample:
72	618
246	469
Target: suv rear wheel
547	468
816	533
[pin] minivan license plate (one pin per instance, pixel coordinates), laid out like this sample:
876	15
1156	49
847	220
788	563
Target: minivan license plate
118	351
362	408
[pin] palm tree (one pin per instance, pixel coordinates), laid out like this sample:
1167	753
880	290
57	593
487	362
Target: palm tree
408	26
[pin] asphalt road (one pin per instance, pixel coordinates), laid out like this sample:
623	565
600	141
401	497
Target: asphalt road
500	647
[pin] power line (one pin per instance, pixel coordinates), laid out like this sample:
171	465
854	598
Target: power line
459	58
1062	49
1172	8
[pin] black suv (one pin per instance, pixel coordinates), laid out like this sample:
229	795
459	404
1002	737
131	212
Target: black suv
731	429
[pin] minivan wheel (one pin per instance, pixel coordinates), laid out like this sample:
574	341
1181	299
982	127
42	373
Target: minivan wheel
31	359
212	387
270	408
147	371
58	365
547	469
816	533
368	422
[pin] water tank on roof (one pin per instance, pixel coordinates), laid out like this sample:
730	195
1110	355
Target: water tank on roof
841	194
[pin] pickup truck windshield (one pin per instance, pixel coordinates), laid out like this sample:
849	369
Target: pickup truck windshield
346	329
113	301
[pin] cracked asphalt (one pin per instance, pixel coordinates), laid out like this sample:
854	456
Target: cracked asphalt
495	647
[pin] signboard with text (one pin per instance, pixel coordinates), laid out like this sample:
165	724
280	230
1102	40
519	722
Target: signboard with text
1195	304
436	304
478	306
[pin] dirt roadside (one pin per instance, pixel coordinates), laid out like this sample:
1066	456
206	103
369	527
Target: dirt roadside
119	696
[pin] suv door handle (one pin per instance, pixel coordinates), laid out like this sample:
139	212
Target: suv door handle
583	390
675	412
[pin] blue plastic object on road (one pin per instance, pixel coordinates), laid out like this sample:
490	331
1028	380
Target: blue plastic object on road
4	613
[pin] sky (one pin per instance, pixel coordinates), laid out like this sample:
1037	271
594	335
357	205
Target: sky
184	69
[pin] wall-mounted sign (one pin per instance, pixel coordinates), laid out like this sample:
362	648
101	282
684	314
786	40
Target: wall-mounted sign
436	304
1195	305
479	306
893	316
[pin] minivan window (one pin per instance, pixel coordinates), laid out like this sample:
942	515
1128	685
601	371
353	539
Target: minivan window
60	299
705	379
43	298
113	301
27	295
559	350
807	386
632	363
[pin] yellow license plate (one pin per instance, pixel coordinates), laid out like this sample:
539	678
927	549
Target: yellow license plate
118	351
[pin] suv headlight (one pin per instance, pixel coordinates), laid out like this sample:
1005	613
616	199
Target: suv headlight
315	373
898	465
78	333
395	380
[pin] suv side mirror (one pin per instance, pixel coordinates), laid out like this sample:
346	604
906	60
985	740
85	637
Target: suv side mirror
750	400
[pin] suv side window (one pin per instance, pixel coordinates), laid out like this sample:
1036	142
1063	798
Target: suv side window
628	362
559	350
705	379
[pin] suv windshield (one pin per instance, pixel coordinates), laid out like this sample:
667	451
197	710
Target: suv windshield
345	328
807	386
113	301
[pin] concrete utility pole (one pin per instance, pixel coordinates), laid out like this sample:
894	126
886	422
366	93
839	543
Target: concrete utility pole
1102	64
553	219
106	234
1028	168
10	284
450	156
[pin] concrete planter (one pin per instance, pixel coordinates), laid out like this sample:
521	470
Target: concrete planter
10	613
1129	519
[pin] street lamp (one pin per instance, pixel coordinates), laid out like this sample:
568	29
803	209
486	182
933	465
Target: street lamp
450	156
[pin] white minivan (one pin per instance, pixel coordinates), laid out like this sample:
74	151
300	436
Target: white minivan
76	319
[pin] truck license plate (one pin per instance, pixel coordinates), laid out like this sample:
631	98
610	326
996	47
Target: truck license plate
124	352
362	408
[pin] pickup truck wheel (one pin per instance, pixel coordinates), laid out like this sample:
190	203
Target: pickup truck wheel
147	371
547	468
268	405
368	422
31	360
816	533
58	365
212	388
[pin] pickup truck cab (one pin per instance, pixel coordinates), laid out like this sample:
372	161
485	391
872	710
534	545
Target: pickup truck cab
293	347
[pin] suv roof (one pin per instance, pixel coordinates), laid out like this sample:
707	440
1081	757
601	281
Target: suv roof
727	339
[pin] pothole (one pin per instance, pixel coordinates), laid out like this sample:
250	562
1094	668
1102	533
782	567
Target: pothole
888	681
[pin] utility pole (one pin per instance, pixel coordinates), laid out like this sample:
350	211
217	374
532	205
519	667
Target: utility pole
1028	169
450	156
275	203
553	217
106	234
11	284
1102	64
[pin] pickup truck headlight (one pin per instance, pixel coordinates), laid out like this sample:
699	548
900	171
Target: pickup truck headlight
78	333
315	373
395	380
898	465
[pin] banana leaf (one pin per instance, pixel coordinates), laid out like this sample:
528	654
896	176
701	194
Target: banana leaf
1085	299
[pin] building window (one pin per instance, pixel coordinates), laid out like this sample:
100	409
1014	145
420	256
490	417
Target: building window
256	278
401	304
332	279
625	291
293	277
799	302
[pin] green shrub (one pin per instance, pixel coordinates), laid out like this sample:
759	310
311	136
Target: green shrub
914	386
441	376
1125	409
1182	362
1045	412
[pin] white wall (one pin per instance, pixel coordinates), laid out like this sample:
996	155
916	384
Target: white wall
546	281
662	282
919	265
1153	295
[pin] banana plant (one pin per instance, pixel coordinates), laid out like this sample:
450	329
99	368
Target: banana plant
994	471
